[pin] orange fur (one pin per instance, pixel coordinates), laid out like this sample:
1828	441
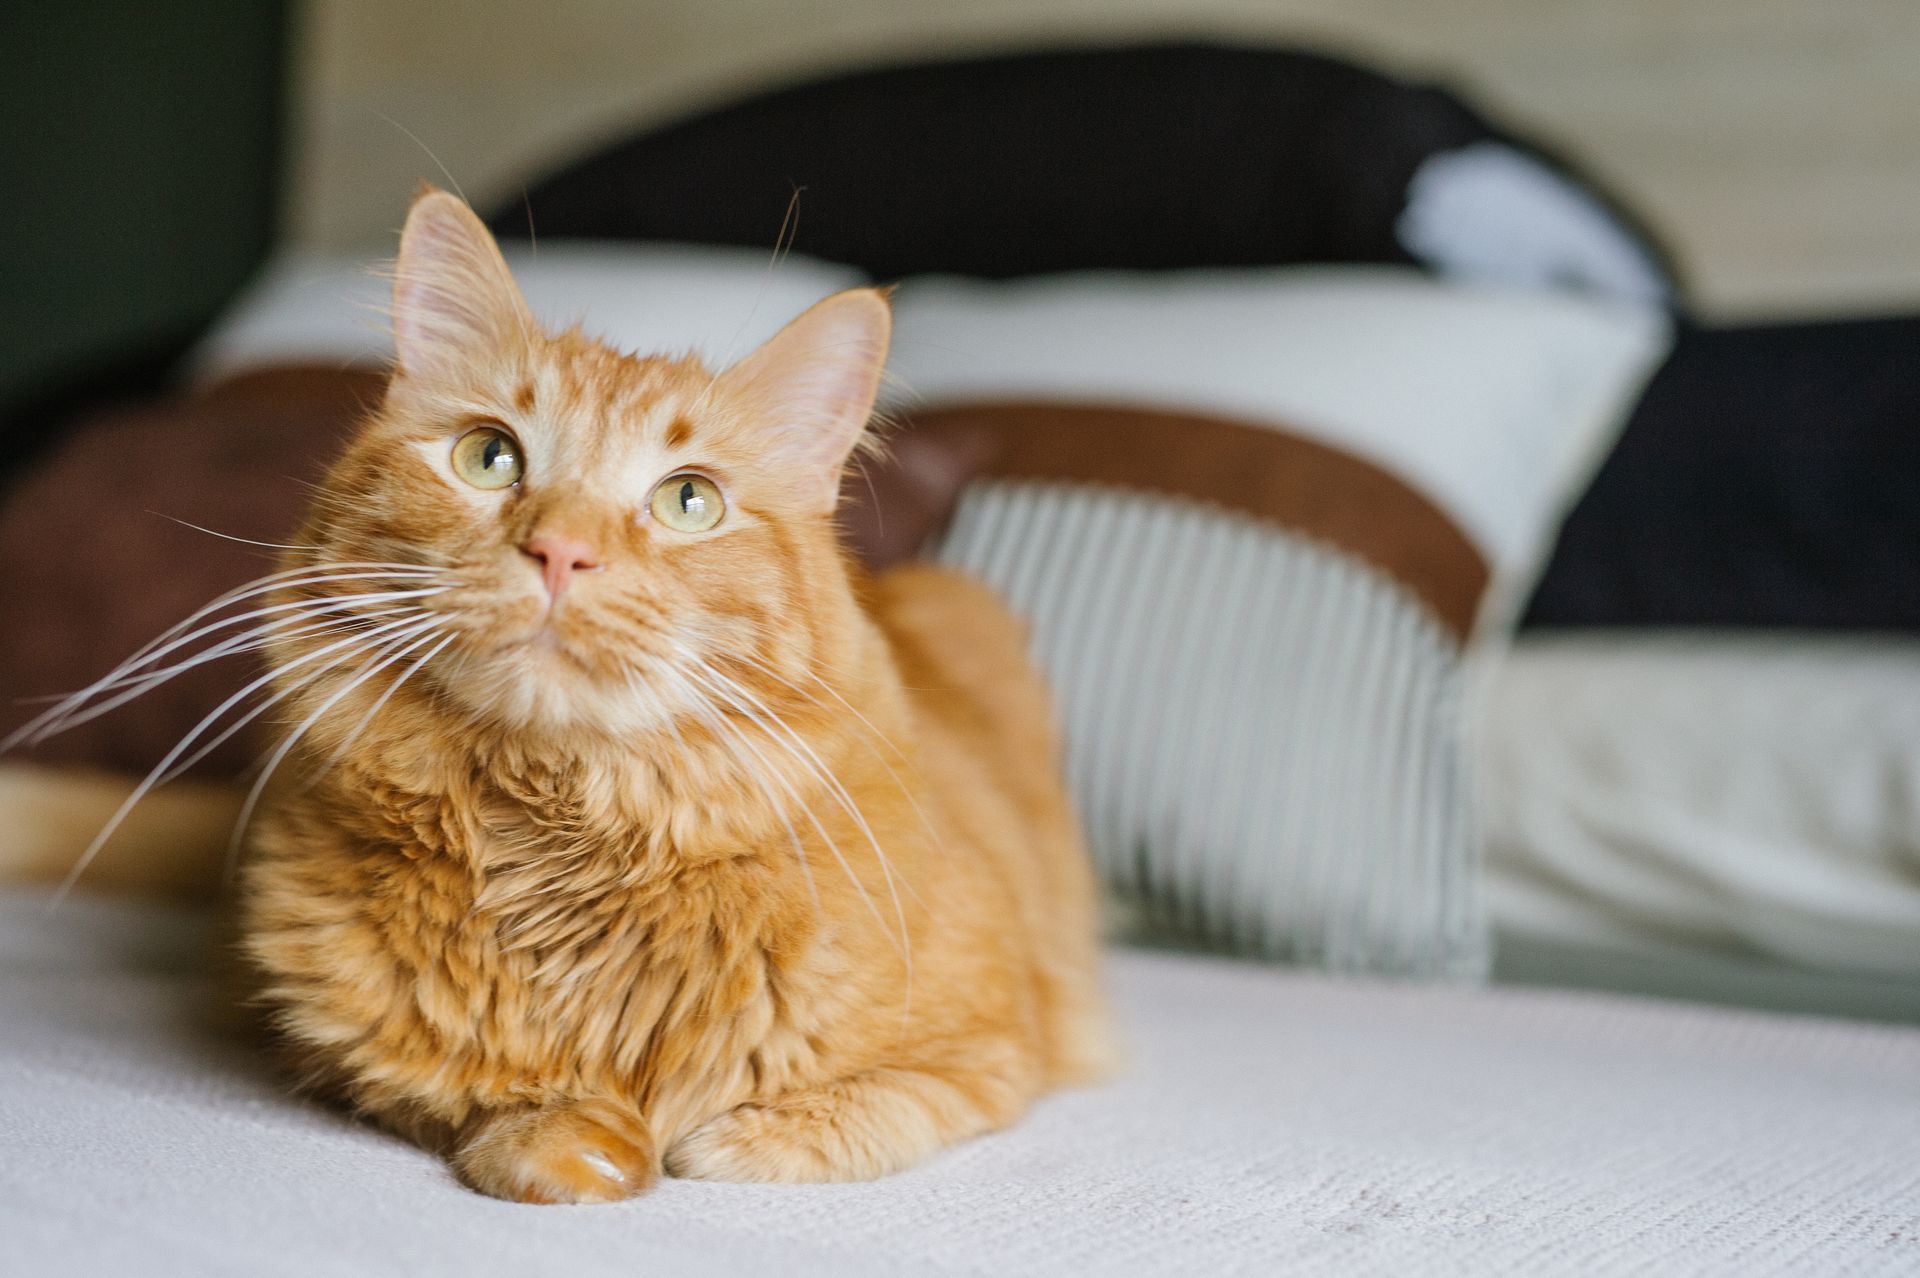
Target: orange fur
731	860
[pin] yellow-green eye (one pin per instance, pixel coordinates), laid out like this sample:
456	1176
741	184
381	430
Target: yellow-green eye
487	458
688	503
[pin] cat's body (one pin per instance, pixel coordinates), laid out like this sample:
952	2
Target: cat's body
726	859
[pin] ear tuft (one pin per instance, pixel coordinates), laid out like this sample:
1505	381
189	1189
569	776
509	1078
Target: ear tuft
453	298
811	387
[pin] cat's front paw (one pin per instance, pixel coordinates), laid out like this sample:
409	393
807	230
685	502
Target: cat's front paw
584	1152
752	1142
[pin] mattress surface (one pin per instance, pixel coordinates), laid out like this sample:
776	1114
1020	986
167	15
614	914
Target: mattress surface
1269	1122
1741	796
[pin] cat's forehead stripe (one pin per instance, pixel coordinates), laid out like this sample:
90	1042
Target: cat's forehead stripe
602	403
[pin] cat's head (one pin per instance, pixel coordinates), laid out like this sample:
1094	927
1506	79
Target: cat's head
584	533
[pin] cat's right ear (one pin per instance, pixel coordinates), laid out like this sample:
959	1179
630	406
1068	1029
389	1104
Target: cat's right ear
454	301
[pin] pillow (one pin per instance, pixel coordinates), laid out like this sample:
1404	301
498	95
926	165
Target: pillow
321	308
1766	480
1496	403
1747	795
93	562
1264	524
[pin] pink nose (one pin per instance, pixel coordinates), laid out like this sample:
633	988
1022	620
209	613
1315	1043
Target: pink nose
560	556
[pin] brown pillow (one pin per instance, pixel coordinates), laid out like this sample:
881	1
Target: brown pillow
95	559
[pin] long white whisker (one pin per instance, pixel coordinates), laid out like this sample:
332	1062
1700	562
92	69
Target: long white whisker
289	578
286	577
826	779
825	773
244	541
258	637
278	695
159	645
875	733
359	727
172	756
156	649
718	723
903	944
412	639
136	686
68	713
269	633
839	791
758	631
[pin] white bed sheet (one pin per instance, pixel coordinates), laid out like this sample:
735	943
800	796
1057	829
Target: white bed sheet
1270	1123
1747	796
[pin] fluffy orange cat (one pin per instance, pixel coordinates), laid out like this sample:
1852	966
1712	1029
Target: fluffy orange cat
642	830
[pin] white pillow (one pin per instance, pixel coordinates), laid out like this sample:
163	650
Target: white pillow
652	298
1496	402
1739	794
1265	525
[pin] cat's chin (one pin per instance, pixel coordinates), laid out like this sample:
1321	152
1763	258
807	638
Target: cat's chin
548	647
539	647
545	705
542	682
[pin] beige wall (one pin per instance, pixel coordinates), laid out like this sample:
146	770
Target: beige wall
1777	142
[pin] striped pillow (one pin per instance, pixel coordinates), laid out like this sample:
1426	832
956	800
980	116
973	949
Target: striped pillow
1261	635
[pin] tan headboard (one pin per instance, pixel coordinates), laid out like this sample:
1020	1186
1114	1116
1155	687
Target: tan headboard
1772	141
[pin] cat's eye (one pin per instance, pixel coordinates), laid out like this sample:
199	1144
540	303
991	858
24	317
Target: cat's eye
488	458
688	503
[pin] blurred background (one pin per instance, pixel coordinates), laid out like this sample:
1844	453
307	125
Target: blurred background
1736	587
1771	142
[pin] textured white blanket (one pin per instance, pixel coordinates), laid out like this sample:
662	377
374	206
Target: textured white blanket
1270	1123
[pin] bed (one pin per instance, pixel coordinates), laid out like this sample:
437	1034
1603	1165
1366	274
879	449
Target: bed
1269	1119
1267	1122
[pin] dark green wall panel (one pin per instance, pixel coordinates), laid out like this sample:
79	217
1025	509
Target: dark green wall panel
139	148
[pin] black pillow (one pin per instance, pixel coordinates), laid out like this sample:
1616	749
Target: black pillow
1157	156
1770	476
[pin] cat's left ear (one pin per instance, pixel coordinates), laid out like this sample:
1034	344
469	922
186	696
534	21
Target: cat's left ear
454	300
811	388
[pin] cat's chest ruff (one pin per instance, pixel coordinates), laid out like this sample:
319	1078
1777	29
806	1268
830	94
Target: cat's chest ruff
533	950
588	943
